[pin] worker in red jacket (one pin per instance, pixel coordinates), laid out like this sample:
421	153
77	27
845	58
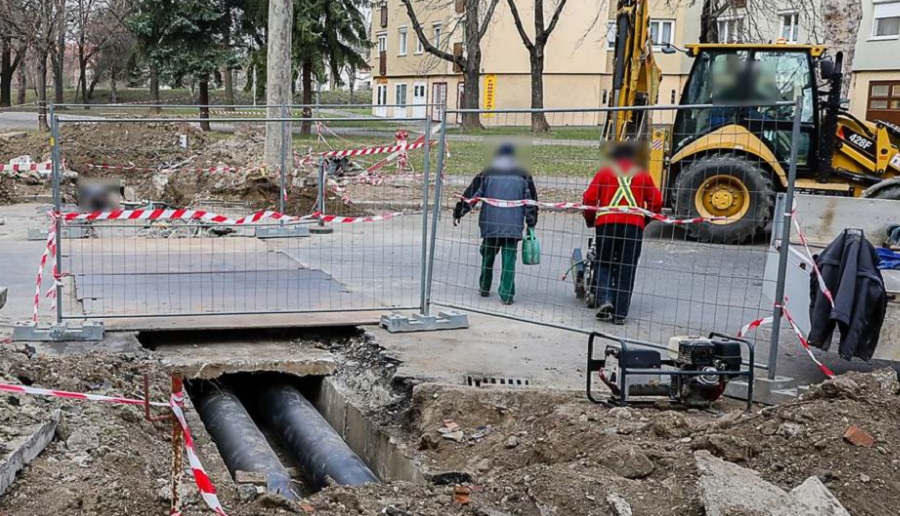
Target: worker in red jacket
619	235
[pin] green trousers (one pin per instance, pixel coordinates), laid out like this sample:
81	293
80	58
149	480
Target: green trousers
489	249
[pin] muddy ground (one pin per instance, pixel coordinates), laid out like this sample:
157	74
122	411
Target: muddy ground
489	452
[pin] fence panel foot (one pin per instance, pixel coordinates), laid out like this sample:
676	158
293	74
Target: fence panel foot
88	331
444	320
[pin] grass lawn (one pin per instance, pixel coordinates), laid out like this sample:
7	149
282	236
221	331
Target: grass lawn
591	133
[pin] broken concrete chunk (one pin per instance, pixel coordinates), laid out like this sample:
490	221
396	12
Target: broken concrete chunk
813	493
619	504
628	462
728	489
26	449
250	477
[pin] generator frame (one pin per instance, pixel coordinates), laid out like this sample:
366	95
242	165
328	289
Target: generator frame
597	364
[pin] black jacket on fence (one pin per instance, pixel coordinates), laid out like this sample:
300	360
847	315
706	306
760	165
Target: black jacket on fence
849	266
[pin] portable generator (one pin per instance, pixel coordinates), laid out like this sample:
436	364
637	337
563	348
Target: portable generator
694	371
581	267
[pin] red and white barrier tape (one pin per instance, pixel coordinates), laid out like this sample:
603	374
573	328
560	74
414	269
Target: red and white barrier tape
367	151
567	206
206	216
204	484
354	220
41	167
797	331
51	246
810	259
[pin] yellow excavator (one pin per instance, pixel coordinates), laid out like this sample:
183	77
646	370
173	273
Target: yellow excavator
728	161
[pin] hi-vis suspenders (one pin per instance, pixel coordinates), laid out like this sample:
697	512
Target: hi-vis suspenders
624	192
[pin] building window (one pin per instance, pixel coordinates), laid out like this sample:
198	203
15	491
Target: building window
790	29
381	95
611	35
419	47
402	42
384	15
437	35
382	43
730	30
662	33
886	23
400	92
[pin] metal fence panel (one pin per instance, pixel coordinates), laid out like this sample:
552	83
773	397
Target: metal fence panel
357	182
691	279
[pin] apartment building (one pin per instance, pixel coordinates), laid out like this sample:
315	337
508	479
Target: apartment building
578	61
876	67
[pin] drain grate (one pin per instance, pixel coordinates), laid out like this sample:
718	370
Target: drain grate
495	381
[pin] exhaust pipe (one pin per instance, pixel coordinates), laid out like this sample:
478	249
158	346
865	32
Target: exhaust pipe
317	448
241	444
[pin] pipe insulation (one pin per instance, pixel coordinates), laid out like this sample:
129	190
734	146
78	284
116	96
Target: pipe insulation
241	444
317	448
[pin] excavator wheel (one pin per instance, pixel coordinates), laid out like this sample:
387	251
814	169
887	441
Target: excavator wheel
727	187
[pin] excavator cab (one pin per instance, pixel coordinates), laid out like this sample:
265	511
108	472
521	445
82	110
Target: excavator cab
730	154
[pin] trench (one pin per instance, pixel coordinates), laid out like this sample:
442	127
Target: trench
274	405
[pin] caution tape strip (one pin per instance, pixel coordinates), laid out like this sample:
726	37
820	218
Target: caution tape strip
42	167
574	206
797	331
204	484
367	151
51	246
810	259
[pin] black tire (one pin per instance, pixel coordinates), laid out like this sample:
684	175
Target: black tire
743	227
890	193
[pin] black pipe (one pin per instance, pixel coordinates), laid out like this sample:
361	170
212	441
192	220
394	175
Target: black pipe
241	444
316	447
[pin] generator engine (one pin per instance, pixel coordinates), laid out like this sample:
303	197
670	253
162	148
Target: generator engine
709	356
694	372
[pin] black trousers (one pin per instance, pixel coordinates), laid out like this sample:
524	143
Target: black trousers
618	249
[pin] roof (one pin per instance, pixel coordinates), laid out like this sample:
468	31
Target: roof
815	50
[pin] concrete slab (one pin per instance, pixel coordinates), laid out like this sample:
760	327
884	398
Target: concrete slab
26	449
212	359
813	493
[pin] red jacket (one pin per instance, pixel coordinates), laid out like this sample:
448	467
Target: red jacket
603	189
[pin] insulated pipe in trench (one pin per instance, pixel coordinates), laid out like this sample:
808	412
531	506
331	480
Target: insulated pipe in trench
316	447
241	444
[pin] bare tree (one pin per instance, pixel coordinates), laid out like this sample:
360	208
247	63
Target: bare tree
536	49
96	24
14	40
469	62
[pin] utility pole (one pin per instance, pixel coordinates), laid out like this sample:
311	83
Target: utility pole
278	77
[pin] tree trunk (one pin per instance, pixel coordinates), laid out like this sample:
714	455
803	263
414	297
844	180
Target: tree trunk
154	88
709	27
6	72
113	94
306	80
82	75
42	92
278	76
538	120
472	67
204	103
60	68
21	84
94	81
228	82
841	20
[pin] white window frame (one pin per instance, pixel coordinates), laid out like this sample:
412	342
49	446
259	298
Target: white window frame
402	40
611	35
888	10
419	47
658	45
397	102
794	34
735	21
381	94
438	32
382	41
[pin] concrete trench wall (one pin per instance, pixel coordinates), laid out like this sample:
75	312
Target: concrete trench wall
389	459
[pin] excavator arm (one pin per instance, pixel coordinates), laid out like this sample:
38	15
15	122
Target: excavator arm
635	74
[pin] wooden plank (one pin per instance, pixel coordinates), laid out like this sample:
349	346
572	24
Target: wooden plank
230	322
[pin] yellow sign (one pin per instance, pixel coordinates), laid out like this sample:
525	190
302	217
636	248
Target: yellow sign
381	80
490	94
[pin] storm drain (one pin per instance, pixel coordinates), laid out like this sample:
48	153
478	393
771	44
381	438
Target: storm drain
495	381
